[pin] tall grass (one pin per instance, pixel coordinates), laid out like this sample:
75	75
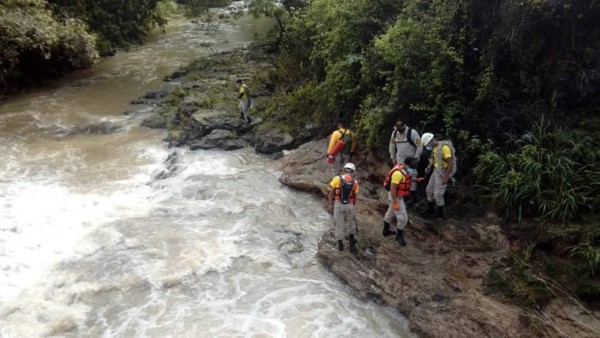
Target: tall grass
550	172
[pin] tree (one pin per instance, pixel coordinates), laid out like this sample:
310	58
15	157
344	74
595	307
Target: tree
269	8
34	44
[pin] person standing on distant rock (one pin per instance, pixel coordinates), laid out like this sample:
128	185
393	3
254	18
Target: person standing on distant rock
405	142
343	188
342	145
245	102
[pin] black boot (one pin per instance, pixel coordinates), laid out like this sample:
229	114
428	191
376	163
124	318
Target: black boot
242	115
400	237
439	213
341	245
249	120
386	229
430	209
352	241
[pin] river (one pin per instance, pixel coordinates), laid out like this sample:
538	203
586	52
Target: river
93	245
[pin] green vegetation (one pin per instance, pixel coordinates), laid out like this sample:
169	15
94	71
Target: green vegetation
195	8
515	85
47	38
34	43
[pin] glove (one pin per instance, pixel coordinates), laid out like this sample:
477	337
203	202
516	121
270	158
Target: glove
420	179
329	159
396	206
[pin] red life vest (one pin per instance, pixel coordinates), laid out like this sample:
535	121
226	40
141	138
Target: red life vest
345	193
403	188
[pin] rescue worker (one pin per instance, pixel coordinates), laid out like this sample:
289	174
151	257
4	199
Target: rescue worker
405	142
343	190
244	100
442	167
398	183
345	154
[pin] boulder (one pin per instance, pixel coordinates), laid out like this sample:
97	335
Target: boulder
273	141
219	138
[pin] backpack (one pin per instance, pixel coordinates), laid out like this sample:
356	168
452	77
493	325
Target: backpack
409	131
439	155
247	91
387	183
347	139
346	191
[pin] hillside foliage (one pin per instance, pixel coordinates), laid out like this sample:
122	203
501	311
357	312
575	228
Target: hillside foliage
514	83
48	38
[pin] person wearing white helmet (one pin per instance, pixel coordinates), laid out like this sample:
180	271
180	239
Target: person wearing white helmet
442	163
343	190
405	142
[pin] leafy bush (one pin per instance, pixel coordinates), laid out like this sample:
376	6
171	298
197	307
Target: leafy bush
33	43
117	22
549	172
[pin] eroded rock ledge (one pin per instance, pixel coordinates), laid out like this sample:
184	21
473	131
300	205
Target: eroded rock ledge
436	281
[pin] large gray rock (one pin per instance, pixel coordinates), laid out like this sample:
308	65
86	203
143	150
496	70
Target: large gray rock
219	138
273	141
154	122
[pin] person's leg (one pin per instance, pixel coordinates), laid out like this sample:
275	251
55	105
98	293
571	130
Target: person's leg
351	228
401	215
402	218
241	108
439	189
387	218
245	105
438	193
338	221
345	158
337	163
350	213
430	195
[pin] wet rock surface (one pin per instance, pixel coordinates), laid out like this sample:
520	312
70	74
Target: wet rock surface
436	281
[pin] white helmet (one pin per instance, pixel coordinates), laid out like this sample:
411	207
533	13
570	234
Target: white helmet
426	138
350	166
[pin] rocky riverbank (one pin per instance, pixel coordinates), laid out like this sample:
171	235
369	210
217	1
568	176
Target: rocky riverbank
437	281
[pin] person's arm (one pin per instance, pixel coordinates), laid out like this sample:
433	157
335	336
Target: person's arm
417	141
355	191
393	191
430	165
397	178
332	141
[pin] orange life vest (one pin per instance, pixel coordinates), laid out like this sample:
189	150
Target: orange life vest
403	188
